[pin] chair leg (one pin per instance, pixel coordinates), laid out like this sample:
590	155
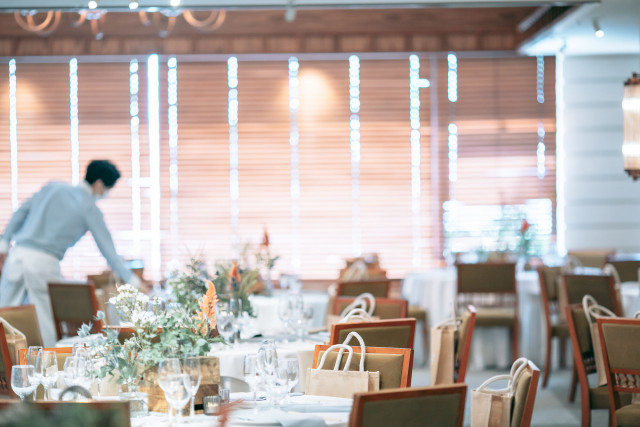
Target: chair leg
514	341
586	407
574	384
547	363
563	352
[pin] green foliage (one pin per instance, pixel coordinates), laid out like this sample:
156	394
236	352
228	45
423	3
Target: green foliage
228	287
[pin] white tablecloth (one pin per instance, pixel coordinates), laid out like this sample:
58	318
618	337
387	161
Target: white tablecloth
265	417
436	289
232	357
266	308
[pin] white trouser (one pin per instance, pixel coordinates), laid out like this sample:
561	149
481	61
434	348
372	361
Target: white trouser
24	280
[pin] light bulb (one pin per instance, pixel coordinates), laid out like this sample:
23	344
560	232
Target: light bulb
598	30
175	3
92	4
133	4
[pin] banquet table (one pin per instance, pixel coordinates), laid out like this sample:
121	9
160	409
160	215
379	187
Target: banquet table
308	411
435	290
266	309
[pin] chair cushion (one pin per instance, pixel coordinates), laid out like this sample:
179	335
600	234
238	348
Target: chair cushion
417	313
599	397
495	316
560	330
628	415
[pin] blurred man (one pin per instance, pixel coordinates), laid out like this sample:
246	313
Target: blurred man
42	230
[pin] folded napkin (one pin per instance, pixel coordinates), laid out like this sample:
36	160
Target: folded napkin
277	416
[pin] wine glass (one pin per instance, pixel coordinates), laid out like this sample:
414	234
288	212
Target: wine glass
278	385
32	356
47	369
193	370
293	371
98	373
251	374
177	391
226	321
167	367
284	310
23	380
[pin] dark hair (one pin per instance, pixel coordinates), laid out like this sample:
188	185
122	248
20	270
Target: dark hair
104	171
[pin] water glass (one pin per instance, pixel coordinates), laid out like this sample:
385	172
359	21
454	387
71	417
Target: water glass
47	369
167	367
251	374
32	356
226	321
177	391
23	381
293	371
224	395
193	370
211	405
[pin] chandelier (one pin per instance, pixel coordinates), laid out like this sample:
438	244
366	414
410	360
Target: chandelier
631	117
45	23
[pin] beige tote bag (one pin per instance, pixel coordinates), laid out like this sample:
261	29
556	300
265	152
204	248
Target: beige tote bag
443	340
593	311
344	383
16	340
492	407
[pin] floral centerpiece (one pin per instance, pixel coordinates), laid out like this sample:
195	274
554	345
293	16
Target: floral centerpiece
265	261
235	283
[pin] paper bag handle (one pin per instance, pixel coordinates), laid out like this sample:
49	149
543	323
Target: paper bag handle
356	313
361	301
362	347
610	270
342	347
10	329
593	309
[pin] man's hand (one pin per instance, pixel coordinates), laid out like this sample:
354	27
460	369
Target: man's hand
3	257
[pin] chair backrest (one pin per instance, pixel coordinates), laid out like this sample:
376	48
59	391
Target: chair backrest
581	344
463	349
397	333
488	277
525	396
5	365
102	280
378	288
25	319
394	364
548	278
98	413
73	304
441	406
591	257
626	265
600	287
620	350
61	352
386	308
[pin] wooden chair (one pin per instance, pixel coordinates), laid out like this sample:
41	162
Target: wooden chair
596	258
492	288
626	265
620	350
525	396
441	406
66	351
397	333
73	304
378	288
5	366
394	364
554	326
585	365
600	287
104	413
463	347
25	319
386	308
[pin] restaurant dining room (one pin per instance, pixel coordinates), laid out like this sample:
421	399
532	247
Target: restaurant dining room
310	213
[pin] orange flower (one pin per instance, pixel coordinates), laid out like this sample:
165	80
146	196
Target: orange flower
208	305
265	239
524	227
233	274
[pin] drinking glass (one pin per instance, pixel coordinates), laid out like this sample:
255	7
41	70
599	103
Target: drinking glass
193	370
278	385
293	371
284	310
177	391
98	374
47	369
23	381
167	367
32	356
267	358
226	321
250	374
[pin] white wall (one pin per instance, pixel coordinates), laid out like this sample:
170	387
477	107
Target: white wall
598	202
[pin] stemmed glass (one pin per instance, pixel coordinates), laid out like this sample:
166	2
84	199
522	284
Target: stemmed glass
177	391
23	380
32	356
284	310
251	374
47	369
226	321
293	371
192	369
166	368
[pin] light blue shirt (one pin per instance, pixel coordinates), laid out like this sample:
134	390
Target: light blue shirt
56	217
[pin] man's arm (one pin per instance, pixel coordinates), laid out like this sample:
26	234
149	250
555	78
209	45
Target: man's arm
102	236
15	223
